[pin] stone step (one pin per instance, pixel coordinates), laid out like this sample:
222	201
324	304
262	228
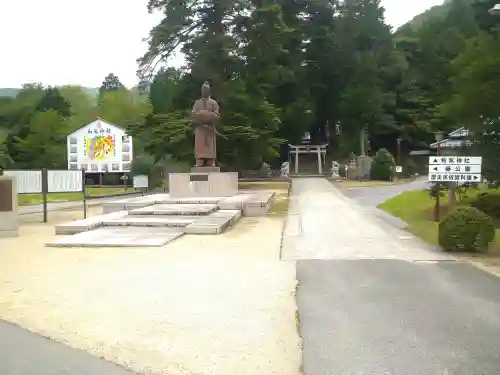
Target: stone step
169	221
84	225
191	200
119	237
215	223
176	209
127	204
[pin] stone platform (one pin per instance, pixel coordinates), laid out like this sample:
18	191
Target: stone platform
158	219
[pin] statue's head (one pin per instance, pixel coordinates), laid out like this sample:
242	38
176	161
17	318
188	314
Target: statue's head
205	90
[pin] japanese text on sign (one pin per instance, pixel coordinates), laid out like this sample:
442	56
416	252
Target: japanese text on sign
454	177
99	131
452	160
460	168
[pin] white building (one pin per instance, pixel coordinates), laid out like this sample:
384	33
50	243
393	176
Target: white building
455	139
100	147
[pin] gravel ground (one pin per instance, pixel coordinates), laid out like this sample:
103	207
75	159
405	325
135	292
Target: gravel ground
202	305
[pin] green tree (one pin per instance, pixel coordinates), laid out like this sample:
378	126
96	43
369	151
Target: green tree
111	83
5	158
83	106
365	42
123	107
474	99
45	145
53	100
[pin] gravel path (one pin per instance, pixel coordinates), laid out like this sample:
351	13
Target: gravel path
203	305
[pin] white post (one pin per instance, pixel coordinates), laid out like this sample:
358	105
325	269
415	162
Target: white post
296	160
320	162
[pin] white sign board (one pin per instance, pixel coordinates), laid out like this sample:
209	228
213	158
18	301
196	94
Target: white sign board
28	182
399	169
141	181
100	147
64	181
455	168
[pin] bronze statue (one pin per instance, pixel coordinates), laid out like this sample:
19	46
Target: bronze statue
205	114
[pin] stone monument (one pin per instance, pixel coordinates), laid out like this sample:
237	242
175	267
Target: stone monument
205	179
9	217
205	114
364	166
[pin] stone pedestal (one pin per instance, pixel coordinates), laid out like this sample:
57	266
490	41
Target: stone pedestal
205	169
9	218
203	184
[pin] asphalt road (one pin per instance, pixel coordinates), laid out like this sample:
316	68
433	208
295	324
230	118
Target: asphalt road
391	317
373	196
26	353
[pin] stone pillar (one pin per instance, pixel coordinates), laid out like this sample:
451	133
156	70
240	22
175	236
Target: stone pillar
320	162
9	217
296	160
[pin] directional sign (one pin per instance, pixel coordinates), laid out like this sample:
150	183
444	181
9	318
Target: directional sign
457	177
456	168
453	160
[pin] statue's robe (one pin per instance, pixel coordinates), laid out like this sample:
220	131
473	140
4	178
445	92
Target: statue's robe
204	137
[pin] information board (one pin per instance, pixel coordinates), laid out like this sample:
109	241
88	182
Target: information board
455	168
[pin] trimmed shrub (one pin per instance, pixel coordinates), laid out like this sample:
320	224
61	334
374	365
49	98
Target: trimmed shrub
489	203
466	229
383	166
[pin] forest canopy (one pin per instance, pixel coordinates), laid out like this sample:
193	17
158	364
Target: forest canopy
278	69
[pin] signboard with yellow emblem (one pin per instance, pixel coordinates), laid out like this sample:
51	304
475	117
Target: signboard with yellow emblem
100	147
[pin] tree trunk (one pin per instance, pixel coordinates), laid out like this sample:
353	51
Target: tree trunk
362	142
452	195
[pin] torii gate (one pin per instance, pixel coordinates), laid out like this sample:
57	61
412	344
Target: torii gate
319	150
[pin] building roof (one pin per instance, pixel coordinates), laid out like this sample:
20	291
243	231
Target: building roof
454	139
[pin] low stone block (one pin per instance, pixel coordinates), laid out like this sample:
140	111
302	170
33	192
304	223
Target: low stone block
176	209
88	224
139	204
151	221
208	225
255	211
233	215
258	205
119	237
234	203
190	200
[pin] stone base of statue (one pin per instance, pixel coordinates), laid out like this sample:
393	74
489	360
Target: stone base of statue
205	169
203	182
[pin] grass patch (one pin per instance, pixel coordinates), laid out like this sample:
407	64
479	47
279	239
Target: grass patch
417	209
29	199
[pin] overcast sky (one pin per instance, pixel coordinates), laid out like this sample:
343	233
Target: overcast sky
60	42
